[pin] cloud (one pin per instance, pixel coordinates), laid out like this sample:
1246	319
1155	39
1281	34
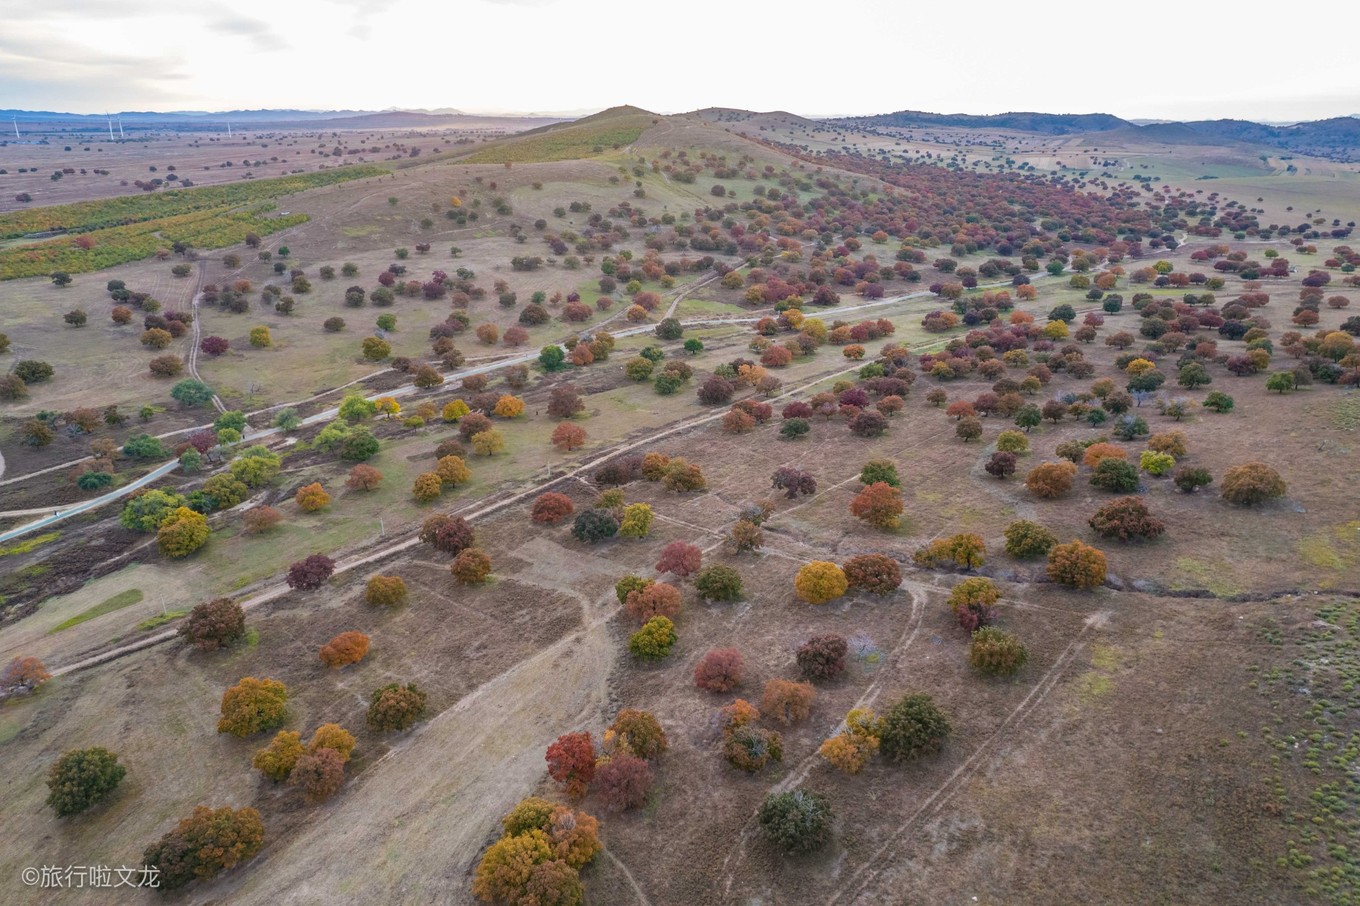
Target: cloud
264	37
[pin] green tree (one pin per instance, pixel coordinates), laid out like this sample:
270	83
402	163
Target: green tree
797	822
81	778
190	392
913	727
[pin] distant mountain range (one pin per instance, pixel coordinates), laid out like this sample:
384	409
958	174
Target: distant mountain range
200	121
1338	137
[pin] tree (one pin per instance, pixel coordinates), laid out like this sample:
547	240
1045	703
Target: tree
276	761
1252	483
1077	565
31	371
76	318
913	727
679	558
385	591
654	640
1026	540
471	567
567	437
1028	416
794	428
253	705
787	702
715	391
183	532
594	526
1051	480
820	581
850	750
750	748
488	442
1000	465
797	821
146	511
363	478
319	775
637	732
681	476
822	657
310	572
1192	375
636	521
205	844
719	670
427	487
874	573
333	737
452	471
143	446
551	508
508	407
1281	382
571	761
564	401
346	648
395	707
972	602
214	624
448	534
260	337
879	504
191	392
793	482
81	778
968	429
652	600
719	583
61	279
22	675
1218	401
1190	479
995	652
312	497
1127	519
1115	475
623	782
1156	464
12	388
551	358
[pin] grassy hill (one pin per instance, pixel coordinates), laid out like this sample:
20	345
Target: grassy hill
583	138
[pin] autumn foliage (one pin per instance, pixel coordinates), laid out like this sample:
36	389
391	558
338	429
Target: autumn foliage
571	761
1051	480
346	648
720	670
1077	565
206	843
656	600
385	591
395	707
822	657
214	624
880	505
680	559
820	581
551	508
786	701
874	573
472	566
253	705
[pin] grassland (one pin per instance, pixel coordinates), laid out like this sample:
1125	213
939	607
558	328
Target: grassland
571	142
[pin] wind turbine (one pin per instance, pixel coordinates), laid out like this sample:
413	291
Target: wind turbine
228	128
16	129
110	119
120	125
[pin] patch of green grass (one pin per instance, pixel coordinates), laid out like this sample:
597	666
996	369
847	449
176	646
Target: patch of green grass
1317	550
161	619
125	598
33	543
1202	574
1346	413
569	142
9	729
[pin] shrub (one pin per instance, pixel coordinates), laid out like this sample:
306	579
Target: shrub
311	572
787	702
1190	479
879	470
593	526
874	573
654	640
276	761
850	750
1051	480
81	778
1252	483
880	505
395	707
214	624
472	566
1012	442
1116	476
1155	463
750	748
719	583
995	652
636	522
822	657
964	550
183	532
972	601
637	732
385	591
312	497
719	670
253	705
1127	519
681	476
623	781
1026	540
796	822
205	844
680	559
319	775
1077	565
820	581
913	727
1098	452
346	648
551	508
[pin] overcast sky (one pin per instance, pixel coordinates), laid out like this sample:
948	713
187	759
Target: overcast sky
1187	60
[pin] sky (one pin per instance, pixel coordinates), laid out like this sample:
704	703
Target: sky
1192	60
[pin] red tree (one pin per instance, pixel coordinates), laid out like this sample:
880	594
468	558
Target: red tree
679	558
571	761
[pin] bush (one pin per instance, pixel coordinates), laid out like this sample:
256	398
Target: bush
1077	565
964	550
214	624
750	748
820	581
1190	479
637	732
205	844
447	534
972	601
654	640
276	761
346	648
1252	483
995	652
311	572
319	775
395	707
1127	519
680	559
822	657
571	761
913	727
719	583
787	702
312	497
593	526
1012	442
81	778
1115	475
472	566
385	591
796	822
880	470
1026	540
253	705
623	781
1051	480
874	573
719	670
1156	464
